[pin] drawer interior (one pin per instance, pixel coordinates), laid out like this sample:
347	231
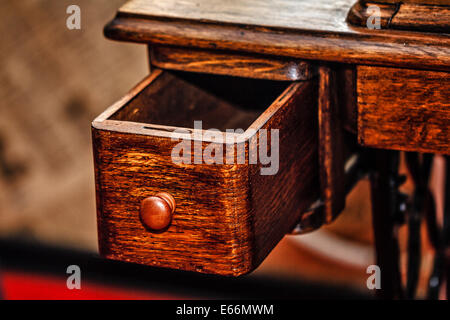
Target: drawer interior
178	99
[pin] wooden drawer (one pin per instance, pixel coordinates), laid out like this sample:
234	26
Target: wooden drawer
228	216
404	109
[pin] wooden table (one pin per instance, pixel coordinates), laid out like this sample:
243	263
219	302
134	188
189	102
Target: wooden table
350	98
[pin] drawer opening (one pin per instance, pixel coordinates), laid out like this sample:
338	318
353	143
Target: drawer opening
177	99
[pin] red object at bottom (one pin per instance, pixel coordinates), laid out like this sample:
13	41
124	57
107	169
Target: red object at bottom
33	286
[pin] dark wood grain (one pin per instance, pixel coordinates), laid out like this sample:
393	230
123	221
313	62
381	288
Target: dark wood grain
331	145
424	2
404	109
299	29
278	202
209	231
414	16
229	63
228	217
360	13
422	18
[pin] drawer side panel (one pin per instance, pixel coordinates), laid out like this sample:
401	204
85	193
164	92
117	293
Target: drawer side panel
279	201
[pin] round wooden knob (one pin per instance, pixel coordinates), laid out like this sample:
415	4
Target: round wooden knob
157	211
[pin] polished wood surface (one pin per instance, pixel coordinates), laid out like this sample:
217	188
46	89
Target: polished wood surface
230	63
403	16
404	109
300	29
228	216
425	2
422	18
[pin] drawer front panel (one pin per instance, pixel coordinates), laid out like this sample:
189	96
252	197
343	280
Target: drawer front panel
404	109
209	231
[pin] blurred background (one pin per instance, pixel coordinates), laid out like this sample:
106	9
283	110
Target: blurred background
53	83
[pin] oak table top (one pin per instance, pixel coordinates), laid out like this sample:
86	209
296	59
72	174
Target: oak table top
314	30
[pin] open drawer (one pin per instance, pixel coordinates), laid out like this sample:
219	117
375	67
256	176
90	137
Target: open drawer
229	196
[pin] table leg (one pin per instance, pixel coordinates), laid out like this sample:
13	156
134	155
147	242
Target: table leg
384	182
446	230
